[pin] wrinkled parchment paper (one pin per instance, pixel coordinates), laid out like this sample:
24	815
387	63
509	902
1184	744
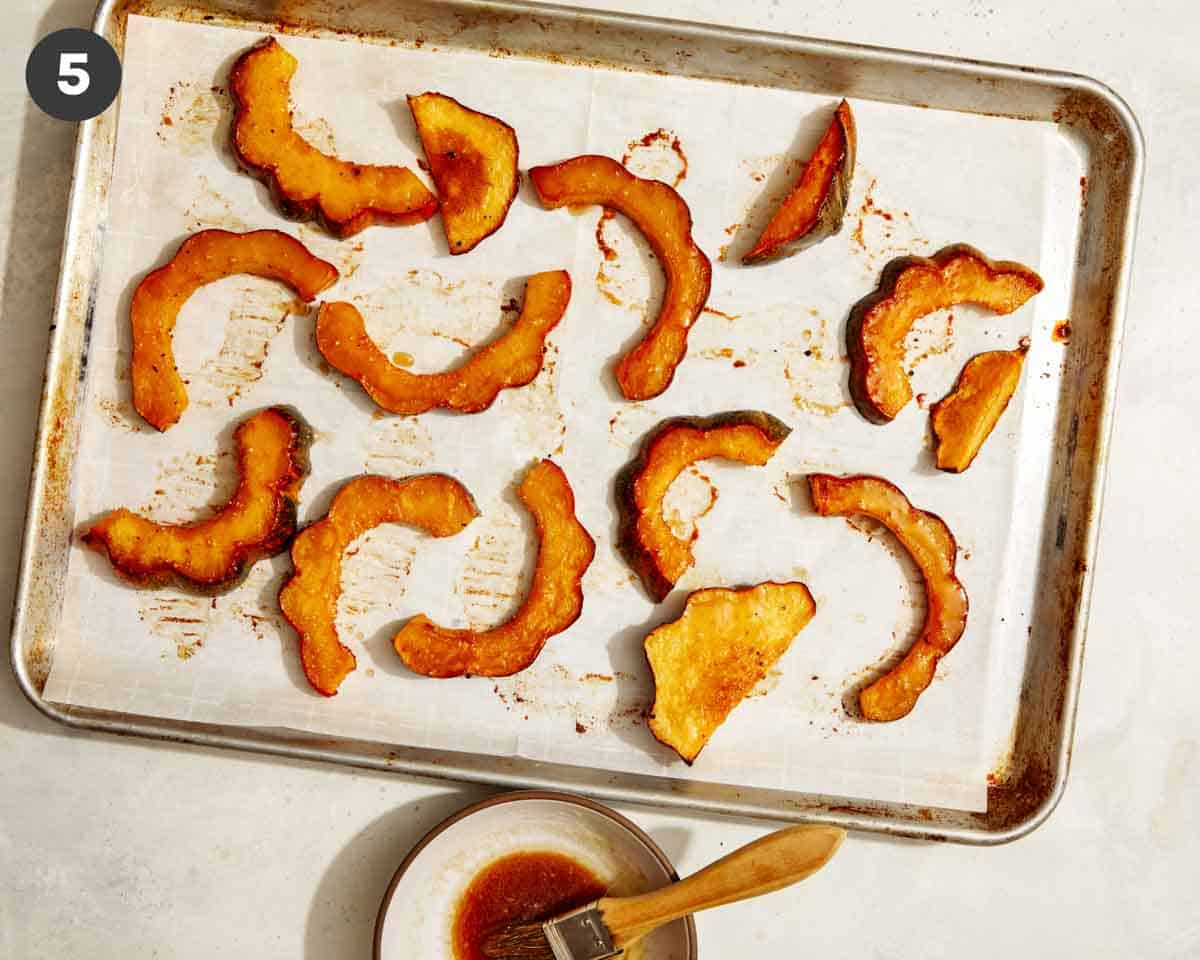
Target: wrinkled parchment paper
771	340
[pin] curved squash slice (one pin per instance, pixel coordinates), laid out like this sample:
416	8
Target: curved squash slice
652	550
964	418
664	219
435	503
258	521
910	288
512	360
159	394
473	161
931	545
306	183
555	600
816	204
707	662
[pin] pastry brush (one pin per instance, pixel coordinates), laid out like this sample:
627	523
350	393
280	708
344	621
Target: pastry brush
607	927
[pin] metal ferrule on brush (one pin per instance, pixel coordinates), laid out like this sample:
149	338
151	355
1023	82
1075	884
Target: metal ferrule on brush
580	935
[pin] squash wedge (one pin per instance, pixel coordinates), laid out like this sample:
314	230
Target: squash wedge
816	205
554	601
258	521
964	418
435	503
645	539
159	394
910	288
707	662
666	222
307	184
473	161
932	547
512	360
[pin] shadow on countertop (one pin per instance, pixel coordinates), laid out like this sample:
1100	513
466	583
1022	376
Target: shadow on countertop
344	907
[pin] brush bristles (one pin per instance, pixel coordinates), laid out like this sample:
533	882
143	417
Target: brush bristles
523	941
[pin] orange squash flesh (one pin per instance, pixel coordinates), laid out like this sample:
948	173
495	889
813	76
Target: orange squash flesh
965	417
554	602
159	394
473	161
932	546
707	662
645	539
512	360
664	219
910	288
308	184
435	503
816	205
258	521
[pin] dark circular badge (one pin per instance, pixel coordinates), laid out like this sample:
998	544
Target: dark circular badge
73	74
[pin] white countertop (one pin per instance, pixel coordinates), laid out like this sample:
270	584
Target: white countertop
128	849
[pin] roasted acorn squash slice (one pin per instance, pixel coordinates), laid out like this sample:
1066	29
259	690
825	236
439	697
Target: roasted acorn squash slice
707	662
652	550
554	601
159	394
932	547
258	521
435	503
816	205
511	360
910	288
473	161
666	222
964	418
306	183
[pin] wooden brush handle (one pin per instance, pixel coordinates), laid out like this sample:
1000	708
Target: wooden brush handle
768	864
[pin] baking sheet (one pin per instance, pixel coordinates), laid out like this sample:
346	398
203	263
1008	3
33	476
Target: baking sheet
771	341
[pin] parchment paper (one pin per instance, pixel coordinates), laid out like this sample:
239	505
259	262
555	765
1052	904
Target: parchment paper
772	340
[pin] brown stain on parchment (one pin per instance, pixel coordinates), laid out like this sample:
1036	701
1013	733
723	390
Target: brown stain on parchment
178	621
606	282
249	330
921	343
690	498
879	234
536	408
398	447
606	250
727	354
553	689
767	683
347	256
120	413
398	316
189	116
657	155
319	133
244	607
374	572
759	168
212	210
812	368
188	486
491	579
437	283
